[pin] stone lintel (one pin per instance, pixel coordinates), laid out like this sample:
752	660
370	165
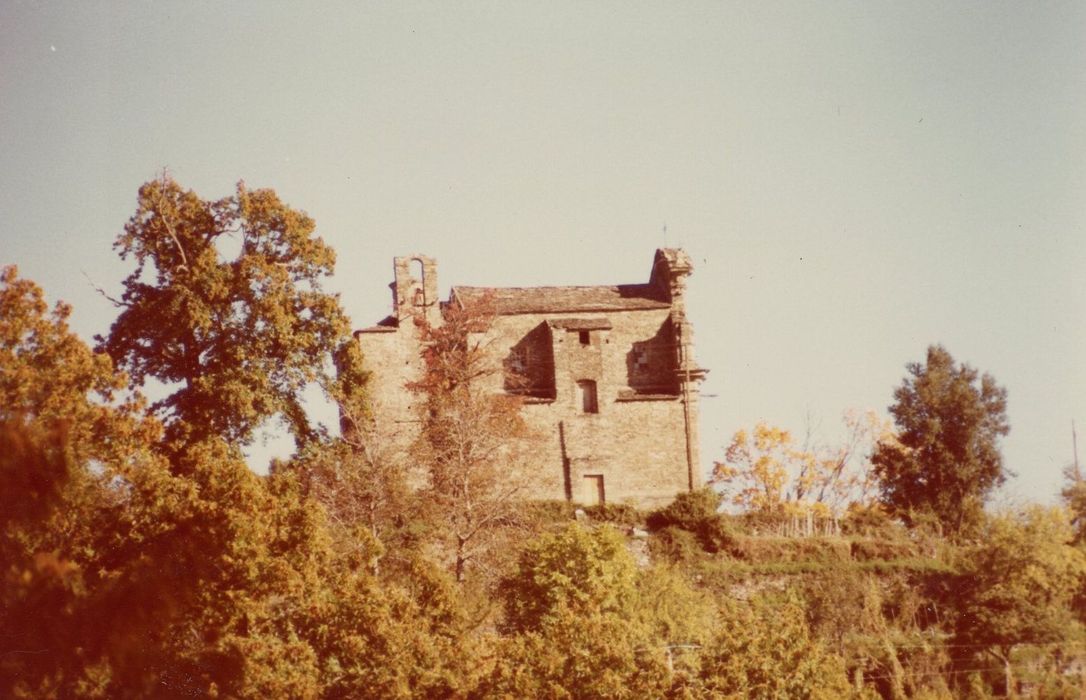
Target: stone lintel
581	324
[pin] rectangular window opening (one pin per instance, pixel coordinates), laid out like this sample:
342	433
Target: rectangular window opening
585	336
586	394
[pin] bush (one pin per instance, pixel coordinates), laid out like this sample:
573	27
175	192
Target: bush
676	545
766	550
868	521
687	511
871	550
696	512
544	513
619	514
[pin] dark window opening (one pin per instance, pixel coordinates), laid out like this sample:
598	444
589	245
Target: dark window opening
585	337
586	392
419	273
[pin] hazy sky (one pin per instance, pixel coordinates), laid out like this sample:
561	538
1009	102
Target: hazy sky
854	181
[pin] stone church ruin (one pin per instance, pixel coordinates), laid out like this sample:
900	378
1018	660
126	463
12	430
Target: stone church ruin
606	373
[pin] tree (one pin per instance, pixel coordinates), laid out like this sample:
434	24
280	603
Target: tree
581	621
131	570
1074	495
764	649
472	438
576	569
758	464
945	460
361	479
845	472
1016	587
235	341
49	376
768	473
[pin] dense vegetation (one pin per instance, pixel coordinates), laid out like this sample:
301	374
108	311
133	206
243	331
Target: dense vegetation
141	557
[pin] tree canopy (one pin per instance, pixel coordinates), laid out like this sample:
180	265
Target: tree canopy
137	566
1016	587
945	460
235	340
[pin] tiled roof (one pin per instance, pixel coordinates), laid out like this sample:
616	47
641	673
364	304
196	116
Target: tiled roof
525	300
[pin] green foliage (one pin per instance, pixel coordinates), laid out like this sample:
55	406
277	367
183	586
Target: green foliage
614	513
688	511
1017	585
542	514
132	566
575	656
1074	495
236	341
577	570
675	545
582	622
670	610
39	589
945	459
49	376
881	549
567	610
765	650
869	521
790	549
696	512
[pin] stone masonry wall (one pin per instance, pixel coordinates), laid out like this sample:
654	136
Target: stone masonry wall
632	430
636	443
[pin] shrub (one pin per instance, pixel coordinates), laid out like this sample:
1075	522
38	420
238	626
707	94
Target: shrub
687	511
547	512
619	514
676	545
868	520
696	512
765	550
870	550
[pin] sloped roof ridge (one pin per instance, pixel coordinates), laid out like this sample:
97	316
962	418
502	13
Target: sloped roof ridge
565	299
556	286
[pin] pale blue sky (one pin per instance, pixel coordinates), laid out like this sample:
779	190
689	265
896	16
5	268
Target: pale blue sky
854	180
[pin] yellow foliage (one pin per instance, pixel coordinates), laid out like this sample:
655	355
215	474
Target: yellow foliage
765	471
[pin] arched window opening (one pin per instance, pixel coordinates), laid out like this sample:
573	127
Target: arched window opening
418	272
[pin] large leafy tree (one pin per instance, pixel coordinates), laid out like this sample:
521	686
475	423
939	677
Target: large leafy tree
945	459
236	340
582	621
765	650
1017	587
72	448
49	376
129	570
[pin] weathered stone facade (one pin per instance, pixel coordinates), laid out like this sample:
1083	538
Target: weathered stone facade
607	375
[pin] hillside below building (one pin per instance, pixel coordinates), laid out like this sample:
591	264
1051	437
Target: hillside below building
607	374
